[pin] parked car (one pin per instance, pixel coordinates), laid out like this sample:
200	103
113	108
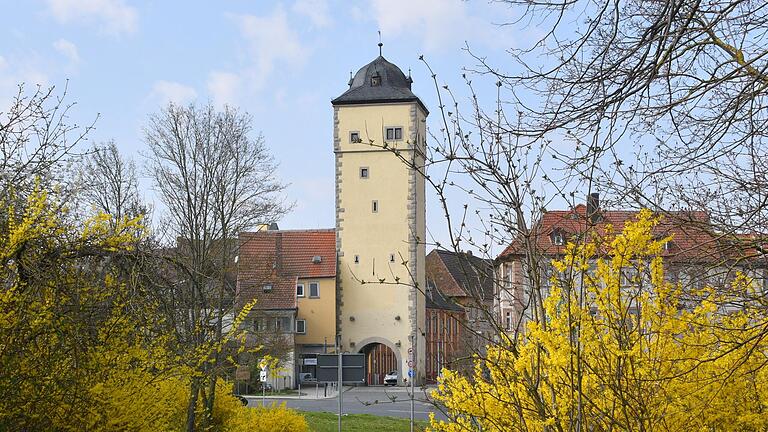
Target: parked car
390	378
306	377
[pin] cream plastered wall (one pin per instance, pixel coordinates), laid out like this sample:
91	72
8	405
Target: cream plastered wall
319	313
377	299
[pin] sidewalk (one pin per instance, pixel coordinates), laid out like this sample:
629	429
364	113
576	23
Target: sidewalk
312	393
307	393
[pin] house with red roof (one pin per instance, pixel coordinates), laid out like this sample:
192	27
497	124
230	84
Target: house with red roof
697	254
291	275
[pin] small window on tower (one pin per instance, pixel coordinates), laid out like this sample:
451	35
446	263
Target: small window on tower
364	172
354	137
357	259
375	80
393	133
391	257
375	206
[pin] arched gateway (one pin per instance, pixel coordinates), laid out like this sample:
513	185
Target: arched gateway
380	359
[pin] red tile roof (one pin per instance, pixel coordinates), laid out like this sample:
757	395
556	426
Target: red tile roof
693	237
280	258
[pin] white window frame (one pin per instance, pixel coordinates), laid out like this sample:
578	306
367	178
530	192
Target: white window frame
352	138
317	284
303	324
300	294
394	130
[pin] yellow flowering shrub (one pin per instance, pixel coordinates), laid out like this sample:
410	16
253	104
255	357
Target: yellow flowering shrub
620	350
79	351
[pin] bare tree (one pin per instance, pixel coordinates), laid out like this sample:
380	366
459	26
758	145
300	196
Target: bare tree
109	183
36	140
215	180
660	104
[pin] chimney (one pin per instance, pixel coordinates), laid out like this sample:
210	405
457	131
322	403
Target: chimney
279	253
593	207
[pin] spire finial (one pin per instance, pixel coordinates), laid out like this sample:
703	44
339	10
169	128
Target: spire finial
380	44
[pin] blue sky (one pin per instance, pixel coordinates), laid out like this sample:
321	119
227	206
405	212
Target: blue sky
281	61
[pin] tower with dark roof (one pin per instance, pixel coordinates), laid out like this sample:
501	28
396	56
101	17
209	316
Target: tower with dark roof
379	142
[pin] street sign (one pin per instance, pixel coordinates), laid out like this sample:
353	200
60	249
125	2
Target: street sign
410	350
410	373
312	361
263	375
410	363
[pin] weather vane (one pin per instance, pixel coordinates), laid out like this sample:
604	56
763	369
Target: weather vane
380	44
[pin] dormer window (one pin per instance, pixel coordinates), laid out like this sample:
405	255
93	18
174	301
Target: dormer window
557	237
375	80
267	288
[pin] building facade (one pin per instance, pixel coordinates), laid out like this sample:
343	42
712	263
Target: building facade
379	140
291	274
697	255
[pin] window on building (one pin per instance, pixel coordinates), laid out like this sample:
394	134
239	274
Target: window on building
393	133
357	259
508	276
299	290
301	326
283	324
375	206
259	324
376	80
558	238
314	290
354	137
267	287
392	258
364	172
508	320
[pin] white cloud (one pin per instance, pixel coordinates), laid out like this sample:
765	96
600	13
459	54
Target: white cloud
111	16
271	40
315	10
164	92
439	23
224	88
68	50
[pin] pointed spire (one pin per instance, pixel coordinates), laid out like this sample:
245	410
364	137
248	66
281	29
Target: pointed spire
350	78
380	44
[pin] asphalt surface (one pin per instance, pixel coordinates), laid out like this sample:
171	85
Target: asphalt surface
380	401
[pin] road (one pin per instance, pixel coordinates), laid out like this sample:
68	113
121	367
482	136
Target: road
380	401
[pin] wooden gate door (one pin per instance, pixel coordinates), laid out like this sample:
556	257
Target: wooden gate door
379	361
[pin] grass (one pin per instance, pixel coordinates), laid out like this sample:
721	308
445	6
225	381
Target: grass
327	422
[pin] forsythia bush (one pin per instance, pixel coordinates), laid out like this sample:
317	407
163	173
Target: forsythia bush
78	353
276	418
629	354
